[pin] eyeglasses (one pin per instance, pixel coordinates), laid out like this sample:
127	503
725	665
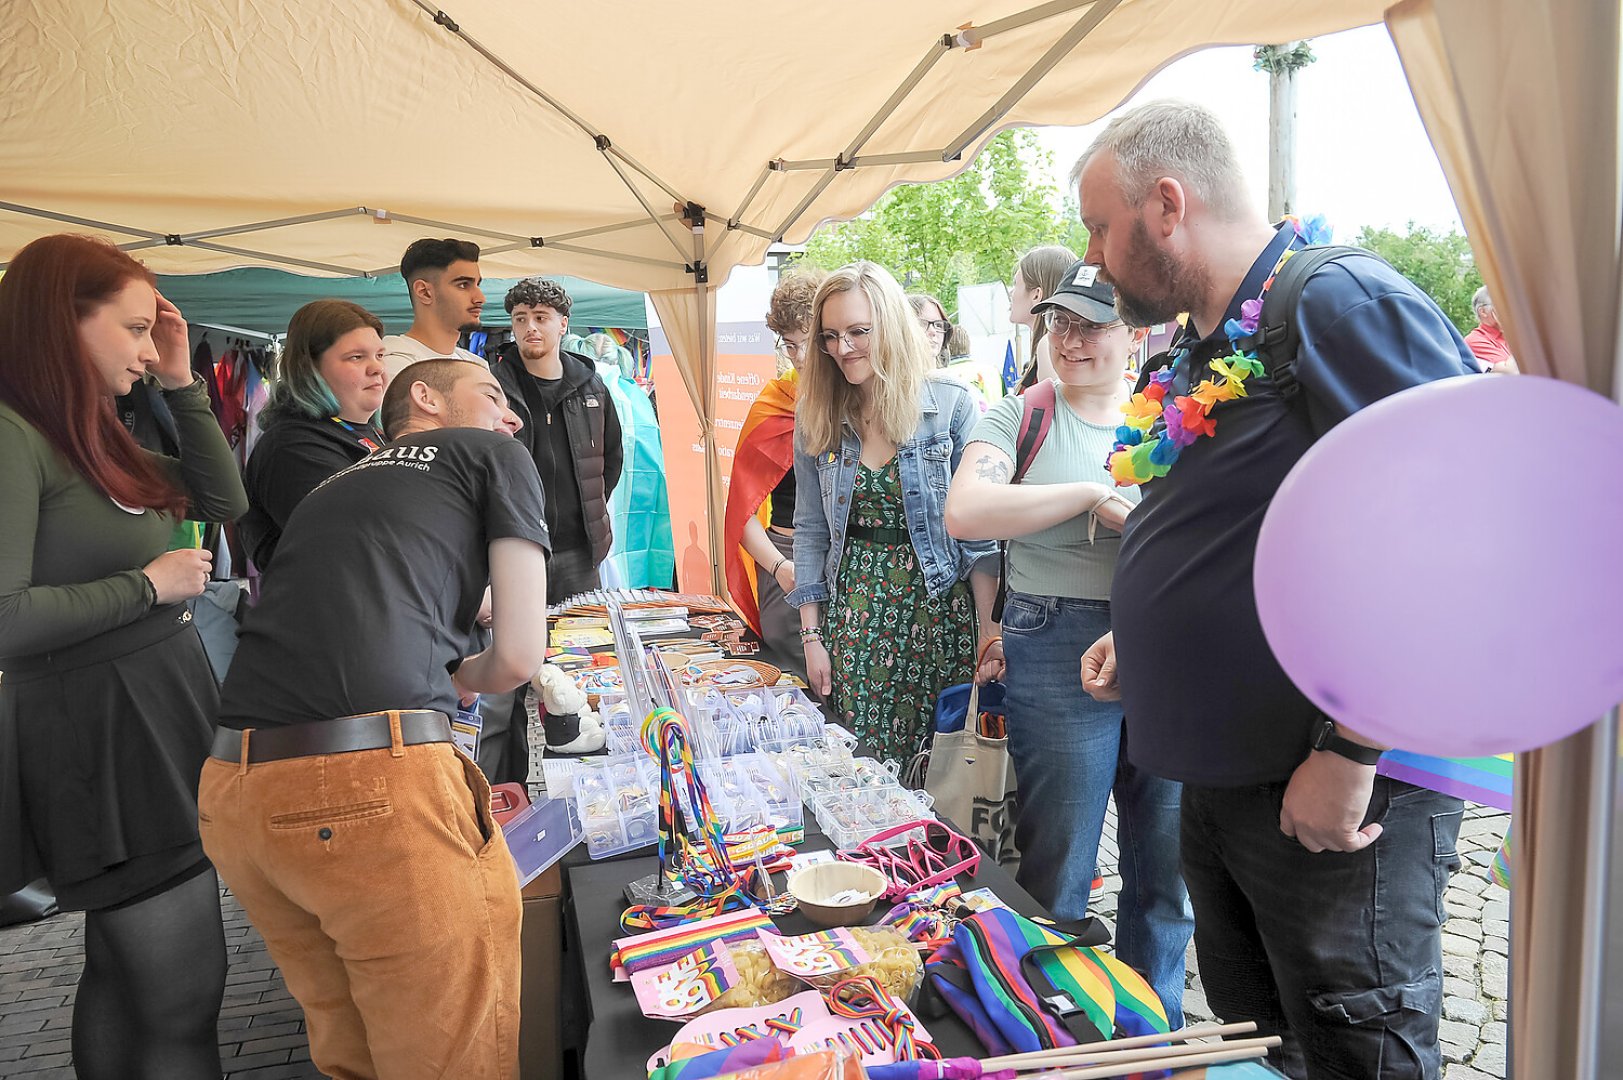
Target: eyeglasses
938	326
794	350
1062	325
856	339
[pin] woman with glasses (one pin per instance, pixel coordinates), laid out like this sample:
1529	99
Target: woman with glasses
889	603
934	322
1063	521
759	530
1036	277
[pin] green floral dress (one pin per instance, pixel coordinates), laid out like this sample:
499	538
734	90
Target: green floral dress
892	645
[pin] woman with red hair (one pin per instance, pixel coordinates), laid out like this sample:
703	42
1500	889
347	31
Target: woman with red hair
107	703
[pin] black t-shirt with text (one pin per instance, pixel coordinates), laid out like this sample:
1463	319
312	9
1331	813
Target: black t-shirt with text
379	577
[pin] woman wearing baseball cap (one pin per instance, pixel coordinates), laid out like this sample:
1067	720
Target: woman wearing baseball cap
1058	508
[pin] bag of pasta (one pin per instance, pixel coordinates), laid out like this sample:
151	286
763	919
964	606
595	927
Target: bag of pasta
717	976
847	952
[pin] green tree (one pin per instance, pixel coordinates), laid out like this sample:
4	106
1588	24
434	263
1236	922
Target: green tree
963	231
1440	263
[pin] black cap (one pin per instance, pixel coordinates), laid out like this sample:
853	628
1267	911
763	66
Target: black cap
1081	293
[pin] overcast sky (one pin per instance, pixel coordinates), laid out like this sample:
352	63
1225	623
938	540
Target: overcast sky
1362	154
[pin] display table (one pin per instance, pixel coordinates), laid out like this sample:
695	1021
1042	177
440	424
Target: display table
620	1039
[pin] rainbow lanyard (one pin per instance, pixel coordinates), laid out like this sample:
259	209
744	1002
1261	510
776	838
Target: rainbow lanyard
367	435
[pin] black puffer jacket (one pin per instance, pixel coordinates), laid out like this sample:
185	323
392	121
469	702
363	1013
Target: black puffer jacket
594	432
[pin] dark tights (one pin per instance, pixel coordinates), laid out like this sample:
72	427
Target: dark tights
149	1000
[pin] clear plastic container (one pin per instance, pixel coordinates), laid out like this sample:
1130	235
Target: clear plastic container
850	815
617	803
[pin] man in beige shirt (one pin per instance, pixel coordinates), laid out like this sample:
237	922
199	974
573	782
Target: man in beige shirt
443	278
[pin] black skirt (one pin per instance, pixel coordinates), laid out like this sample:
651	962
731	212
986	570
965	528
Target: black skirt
101	745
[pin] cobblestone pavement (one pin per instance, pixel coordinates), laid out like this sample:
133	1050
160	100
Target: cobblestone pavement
262	1030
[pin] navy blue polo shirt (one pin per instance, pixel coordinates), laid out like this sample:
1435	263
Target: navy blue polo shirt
1206	701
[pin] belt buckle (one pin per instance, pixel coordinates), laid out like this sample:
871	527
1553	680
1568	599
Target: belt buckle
185	616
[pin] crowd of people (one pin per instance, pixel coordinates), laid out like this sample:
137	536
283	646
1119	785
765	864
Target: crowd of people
408	505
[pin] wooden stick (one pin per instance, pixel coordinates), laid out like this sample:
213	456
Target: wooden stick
1081	1055
1211	1057
1196	1031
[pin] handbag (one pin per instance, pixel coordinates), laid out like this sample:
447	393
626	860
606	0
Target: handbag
966	767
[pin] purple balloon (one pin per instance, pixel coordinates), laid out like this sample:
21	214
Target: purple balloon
1440	571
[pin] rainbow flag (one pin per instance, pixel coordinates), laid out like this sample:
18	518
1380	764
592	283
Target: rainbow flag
765	453
729	1059
1484	780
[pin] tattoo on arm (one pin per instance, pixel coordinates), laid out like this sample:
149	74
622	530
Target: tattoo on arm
995	471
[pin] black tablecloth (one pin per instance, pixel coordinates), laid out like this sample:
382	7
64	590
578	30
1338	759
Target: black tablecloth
620	1038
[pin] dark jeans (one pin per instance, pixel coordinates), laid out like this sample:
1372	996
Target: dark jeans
1338	953
569	572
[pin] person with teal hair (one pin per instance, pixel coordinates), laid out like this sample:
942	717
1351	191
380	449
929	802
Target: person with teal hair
322	415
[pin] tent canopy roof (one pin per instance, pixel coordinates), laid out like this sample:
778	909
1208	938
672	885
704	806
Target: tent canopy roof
325	137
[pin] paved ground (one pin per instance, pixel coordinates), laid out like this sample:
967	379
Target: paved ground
262	1031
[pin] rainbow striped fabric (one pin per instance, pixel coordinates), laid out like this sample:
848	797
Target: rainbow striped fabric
729	1059
667	946
1484	780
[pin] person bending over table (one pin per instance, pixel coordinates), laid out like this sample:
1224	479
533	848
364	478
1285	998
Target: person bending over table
107	700
359	841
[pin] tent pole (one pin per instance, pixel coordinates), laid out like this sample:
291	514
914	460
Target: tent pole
258	226
1056	52
563	110
707	372
653	215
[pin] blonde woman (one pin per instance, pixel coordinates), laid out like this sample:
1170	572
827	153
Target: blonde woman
1036	277
889	603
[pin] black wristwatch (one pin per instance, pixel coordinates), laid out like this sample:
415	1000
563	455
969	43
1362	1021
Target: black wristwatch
1325	738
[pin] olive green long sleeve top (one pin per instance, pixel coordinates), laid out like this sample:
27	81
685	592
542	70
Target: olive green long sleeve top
70	557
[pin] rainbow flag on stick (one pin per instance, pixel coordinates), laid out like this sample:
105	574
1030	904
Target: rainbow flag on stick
1484	780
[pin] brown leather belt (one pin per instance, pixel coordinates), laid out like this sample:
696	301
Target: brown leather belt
342	736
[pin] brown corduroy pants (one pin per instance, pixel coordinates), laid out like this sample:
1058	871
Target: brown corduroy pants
386	894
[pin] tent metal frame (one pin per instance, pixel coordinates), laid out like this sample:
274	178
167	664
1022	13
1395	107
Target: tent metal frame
694	244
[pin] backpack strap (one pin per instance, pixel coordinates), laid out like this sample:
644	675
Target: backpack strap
1036	417
1155	363
1083	1016
1278	337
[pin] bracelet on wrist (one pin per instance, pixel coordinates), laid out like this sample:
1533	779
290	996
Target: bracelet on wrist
811	633
779	565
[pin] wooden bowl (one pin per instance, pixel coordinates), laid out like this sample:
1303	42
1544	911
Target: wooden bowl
814	885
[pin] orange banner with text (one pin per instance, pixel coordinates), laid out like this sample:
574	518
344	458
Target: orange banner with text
739	379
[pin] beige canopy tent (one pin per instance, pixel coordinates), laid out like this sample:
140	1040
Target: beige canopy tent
656	146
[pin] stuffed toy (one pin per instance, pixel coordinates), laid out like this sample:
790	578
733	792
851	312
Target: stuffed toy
571	727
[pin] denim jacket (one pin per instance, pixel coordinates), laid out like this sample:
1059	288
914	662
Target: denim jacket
926	463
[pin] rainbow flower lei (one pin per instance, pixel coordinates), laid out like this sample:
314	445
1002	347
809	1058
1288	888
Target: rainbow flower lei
1152	434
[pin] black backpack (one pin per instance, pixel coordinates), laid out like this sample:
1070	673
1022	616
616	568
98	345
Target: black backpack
1278	339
